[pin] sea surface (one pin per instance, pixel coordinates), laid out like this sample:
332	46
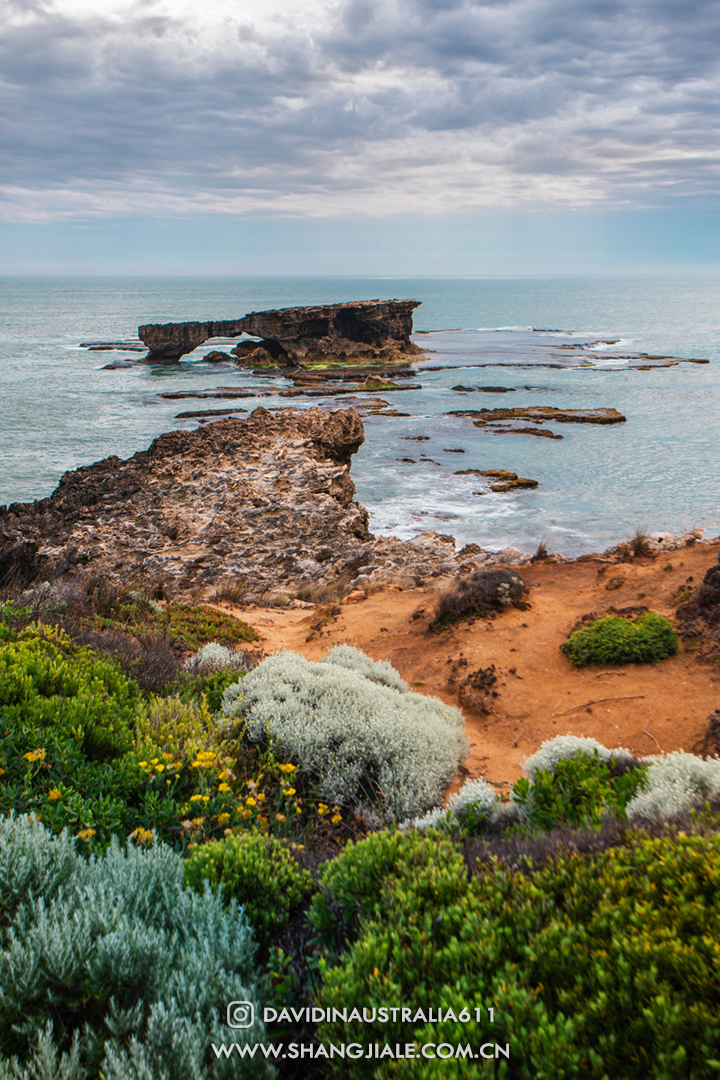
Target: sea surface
566	343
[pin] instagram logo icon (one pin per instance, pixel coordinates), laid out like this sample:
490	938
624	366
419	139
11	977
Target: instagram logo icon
240	1014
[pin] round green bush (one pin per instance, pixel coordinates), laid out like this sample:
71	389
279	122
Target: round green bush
615	640
256	870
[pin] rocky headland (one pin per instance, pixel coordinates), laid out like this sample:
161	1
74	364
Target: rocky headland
365	332
258	507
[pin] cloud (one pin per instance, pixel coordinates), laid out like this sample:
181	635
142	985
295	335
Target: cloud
366	107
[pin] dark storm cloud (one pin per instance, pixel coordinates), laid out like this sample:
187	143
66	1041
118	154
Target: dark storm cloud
522	100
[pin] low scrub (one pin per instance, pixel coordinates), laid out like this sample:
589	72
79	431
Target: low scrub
483	592
588	966
111	968
614	640
257	871
356	730
574	782
47	682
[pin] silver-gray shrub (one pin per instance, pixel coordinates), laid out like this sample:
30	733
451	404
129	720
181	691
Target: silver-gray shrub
158	962
563	747
476	801
674	782
215	657
377	671
360	738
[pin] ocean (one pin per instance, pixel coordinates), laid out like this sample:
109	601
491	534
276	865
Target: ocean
554	342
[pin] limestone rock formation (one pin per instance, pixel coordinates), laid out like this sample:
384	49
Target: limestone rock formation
369	330
263	505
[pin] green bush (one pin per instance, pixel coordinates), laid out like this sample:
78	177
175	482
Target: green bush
614	640
47	683
132	970
256	870
603	966
171	725
578	791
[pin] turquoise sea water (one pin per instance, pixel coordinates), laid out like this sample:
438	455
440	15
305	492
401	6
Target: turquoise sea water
658	471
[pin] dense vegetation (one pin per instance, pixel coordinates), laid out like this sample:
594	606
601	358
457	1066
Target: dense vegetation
177	841
616	640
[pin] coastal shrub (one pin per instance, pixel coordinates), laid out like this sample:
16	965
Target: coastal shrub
194	625
615	640
562	747
377	671
47	682
593	966
176	727
364	742
579	791
673	783
130	968
470	808
96	800
188	626
578	787
216	657
257	871
208	689
483	592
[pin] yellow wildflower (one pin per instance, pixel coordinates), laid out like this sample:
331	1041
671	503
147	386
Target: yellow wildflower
142	764
154	760
206	798
280	817
336	819
54	794
250	801
287	768
223	819
223	787
35	755
198	821
167	757
159	768
86	834
289	791
261	797
322	809
142	836
195	798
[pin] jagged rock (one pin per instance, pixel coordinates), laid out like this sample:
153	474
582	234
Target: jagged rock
216	357
374	331
264	502
504	480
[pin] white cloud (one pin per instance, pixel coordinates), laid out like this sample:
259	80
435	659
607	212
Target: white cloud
364	107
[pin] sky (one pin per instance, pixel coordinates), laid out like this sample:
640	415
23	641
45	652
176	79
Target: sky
360	136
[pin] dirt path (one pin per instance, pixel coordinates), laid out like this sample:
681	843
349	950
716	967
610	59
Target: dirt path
645	708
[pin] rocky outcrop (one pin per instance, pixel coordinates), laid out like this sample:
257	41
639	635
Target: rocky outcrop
502	421
259	506
370	331
541	414
503	480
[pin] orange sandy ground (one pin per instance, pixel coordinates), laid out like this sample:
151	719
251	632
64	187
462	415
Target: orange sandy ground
645	708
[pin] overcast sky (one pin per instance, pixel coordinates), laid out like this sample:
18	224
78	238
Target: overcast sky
362	115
